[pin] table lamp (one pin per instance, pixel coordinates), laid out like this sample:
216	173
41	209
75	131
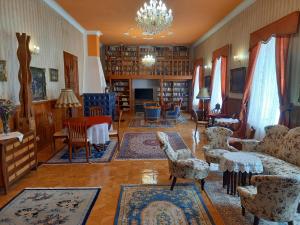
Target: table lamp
203	95
67	99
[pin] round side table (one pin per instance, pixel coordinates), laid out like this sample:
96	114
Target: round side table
237	167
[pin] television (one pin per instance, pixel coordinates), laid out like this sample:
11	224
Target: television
143	93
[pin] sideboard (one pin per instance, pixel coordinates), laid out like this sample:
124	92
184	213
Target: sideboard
17	159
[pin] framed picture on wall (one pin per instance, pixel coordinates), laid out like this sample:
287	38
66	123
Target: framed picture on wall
53	75
3	76
207	82
237	80
38	84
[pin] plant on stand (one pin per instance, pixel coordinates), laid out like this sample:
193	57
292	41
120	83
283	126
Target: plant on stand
7	108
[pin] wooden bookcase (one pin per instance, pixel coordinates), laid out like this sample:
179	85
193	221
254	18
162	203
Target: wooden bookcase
173	68
173	91
122	88
126	60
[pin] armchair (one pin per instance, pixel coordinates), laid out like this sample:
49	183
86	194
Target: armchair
182	163
152	113
173	114
273	198
218	144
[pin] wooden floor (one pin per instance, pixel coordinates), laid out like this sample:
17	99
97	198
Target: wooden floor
109	176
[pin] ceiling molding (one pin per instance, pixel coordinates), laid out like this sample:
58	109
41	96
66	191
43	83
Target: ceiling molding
57	8
94	32
241	7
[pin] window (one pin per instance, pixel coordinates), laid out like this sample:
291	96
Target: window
264	106
216	95
196	89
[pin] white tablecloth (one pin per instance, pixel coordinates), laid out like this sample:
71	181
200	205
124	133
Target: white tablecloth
12	135
241	162
226	120
98	134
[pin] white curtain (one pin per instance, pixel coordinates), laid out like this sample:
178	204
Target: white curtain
216	94
264	107
196	89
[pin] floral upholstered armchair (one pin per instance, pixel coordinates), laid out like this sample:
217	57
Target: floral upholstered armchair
182	163
217	144
273	198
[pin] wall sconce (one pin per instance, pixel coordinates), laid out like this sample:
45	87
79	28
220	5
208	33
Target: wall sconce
239	58
34	49
207	66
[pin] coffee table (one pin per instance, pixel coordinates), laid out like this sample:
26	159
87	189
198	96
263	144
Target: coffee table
237	167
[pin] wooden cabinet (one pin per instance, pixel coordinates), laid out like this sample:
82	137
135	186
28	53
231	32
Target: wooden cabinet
17	159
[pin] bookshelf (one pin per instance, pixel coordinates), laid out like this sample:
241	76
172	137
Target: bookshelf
126	60
122	90
173	91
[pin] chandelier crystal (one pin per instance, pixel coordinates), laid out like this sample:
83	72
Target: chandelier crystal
148	60
154	18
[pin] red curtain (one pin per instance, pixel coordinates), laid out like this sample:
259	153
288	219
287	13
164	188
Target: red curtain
251	68
282	45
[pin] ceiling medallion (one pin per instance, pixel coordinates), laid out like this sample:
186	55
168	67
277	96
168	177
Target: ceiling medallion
148	60
154	17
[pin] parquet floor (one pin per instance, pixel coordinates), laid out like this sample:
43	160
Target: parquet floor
111	175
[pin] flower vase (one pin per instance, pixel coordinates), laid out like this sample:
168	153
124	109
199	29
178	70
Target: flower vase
5	126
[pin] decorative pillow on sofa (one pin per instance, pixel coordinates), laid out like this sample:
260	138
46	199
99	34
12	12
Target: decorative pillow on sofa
289	150
273	139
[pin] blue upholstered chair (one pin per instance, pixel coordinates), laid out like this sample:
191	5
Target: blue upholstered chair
173	114
152	113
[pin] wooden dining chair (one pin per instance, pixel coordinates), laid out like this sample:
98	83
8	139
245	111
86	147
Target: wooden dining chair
96	111
116	132
78	138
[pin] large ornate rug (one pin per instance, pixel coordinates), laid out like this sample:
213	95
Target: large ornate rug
139	122
66	206
145	145
80	156
229	206
156	204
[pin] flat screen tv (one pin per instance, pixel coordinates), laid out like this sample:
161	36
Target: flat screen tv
143	93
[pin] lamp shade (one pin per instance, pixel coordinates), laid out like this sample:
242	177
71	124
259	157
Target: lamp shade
67	99
203	94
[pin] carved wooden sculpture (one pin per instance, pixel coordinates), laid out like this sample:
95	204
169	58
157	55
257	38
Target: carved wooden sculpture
26	119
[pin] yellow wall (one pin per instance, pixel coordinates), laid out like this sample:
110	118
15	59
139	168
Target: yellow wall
237	33
49	31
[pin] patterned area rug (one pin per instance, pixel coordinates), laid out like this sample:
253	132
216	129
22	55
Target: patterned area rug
138	122
229	206
156	204
50	206
80	157
146	145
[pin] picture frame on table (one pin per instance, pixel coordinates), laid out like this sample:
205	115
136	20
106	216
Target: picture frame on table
53	75
38	83
3	74
237	80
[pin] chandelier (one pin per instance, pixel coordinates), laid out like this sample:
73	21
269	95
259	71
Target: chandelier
154	18
148	60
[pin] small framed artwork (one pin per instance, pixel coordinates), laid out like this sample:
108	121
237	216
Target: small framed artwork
53	75
3	76
237	80
207	81
38	84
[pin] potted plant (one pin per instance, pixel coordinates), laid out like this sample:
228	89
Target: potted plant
7	108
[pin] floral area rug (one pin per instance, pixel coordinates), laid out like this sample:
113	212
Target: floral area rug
145	145
156	204
102	156
50	206
139	122
229	206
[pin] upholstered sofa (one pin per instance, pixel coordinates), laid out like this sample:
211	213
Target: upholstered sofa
279	150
